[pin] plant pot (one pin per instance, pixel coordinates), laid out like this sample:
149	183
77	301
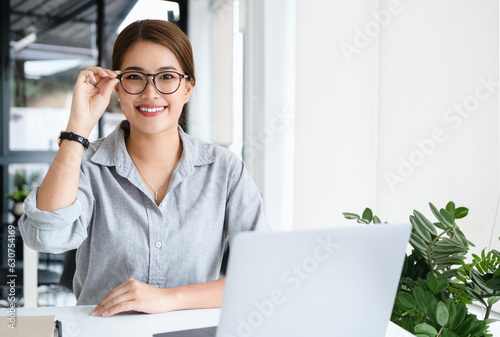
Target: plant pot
18	209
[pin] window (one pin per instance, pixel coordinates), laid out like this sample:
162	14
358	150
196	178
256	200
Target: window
49	43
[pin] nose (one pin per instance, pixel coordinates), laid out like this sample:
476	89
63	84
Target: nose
150	91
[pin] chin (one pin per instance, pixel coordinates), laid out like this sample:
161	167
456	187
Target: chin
158	128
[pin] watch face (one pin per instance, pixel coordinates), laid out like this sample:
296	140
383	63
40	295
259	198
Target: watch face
72	136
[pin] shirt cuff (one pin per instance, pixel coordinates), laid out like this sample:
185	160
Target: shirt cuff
50	220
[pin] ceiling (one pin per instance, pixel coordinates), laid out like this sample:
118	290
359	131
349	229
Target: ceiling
52	29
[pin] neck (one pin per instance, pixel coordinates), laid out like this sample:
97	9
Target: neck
158	150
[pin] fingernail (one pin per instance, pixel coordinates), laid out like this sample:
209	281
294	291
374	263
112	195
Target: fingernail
93	312
106	313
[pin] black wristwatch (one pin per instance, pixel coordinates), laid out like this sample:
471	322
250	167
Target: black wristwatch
71	136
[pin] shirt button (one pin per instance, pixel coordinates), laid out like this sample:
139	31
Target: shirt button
158	244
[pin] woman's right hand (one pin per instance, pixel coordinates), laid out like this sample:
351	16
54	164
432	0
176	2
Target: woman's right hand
91	97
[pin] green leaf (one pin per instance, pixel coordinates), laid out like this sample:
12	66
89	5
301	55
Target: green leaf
466	325
421	298
466	267
493	300
452	310
447	262
490	320
472	294
406	300
461	212
439	216
448	333
443	248
461	237
367	214
449	274
425	222
479	268
450	207
376	219
442	314
432	282
363	221
442	284
419	244
18	196
350	216
447	217
480	282
440	225
493	284
420	230
477	329
452	243
461	311
419	316
425	329
432	301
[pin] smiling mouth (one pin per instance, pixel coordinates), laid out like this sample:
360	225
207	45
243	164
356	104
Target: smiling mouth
151	109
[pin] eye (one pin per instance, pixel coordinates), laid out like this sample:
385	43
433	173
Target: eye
166	76
132	76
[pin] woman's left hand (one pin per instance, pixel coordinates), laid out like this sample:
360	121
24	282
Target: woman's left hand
137	296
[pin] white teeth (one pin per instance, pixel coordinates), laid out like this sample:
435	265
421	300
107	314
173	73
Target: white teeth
151	109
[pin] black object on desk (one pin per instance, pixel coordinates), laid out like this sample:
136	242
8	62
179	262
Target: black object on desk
58	329
203	332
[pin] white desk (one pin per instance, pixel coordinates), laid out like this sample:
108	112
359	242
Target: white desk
77	322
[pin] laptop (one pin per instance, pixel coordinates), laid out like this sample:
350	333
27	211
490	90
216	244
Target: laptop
339	281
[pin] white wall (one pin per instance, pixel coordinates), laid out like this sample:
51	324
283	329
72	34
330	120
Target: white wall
336	113
395	86
372	90
437	63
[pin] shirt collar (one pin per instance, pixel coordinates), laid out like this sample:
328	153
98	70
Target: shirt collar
112	151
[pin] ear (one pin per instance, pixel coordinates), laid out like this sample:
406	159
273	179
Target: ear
117	91
189	89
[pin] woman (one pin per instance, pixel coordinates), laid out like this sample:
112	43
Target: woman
148	207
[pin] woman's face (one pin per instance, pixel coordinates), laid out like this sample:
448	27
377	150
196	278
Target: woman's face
151	112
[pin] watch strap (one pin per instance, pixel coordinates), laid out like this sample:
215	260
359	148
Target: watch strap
72	136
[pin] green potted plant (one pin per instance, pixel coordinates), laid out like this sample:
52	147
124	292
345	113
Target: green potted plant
19	195
437	283
18	198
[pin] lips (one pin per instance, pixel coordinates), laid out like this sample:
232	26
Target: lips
151	110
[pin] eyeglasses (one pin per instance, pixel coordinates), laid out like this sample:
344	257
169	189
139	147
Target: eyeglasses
166	82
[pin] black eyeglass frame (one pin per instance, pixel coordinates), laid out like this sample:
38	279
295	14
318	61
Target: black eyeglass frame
181	76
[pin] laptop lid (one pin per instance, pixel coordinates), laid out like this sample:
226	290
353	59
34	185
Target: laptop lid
339	281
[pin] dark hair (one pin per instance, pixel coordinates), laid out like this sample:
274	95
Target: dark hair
162	32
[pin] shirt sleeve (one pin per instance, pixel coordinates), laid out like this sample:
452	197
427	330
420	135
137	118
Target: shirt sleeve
244	207
61	230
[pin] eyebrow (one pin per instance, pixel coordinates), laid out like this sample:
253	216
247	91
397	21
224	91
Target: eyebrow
142	69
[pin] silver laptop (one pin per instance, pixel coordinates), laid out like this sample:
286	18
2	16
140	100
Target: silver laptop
339	281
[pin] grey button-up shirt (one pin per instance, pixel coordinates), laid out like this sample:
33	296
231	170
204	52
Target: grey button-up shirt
121	233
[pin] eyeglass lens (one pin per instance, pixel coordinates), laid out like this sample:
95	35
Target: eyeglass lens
166	82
